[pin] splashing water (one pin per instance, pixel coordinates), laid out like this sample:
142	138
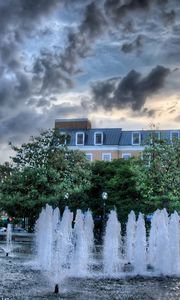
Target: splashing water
140	259
130	237
65	248
9	246
112	245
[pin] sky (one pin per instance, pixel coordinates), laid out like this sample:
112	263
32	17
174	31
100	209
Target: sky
116	62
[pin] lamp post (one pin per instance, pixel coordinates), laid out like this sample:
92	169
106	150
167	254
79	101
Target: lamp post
66	196
104	197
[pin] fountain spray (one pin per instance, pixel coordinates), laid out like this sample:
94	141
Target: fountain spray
9	239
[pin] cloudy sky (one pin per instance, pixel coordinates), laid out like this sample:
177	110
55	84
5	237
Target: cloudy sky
116	62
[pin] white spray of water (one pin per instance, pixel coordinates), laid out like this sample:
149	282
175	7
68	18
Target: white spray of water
162	255
89	234
64	250
80	254
112	245
152	242
140	259
174	242
9	239
130	237
44	237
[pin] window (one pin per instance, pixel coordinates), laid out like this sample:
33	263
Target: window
65	138
89	156
106	156
174	135
135	138
80	138
126	155
98	138
156	135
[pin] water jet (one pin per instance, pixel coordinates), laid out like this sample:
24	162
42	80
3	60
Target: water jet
67	250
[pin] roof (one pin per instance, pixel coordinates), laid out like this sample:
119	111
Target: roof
126	137
116	136
111	136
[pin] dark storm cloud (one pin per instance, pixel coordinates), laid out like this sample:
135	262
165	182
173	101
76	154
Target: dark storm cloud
22	124
14	90
20	86
118	9
132	90
19	127
18	19
53	70
171	47
148	112
80	42
41	102
24	88
137	44
48	74
19	123
21	11
169	16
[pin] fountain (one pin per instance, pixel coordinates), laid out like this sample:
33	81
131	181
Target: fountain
174	242
66	248
8	247
152	241
140	247
130	237
112	246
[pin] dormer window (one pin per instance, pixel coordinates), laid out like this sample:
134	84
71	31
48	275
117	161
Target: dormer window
80	138
98	138
65	138
157	135
174	135
136	139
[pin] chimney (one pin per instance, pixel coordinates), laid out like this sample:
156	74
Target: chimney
73	123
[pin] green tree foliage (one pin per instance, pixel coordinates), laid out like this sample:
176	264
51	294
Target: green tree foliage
117	178
158	175
43	170
5	171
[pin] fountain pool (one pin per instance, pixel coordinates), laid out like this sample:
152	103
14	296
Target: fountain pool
67	251
22	280
67	255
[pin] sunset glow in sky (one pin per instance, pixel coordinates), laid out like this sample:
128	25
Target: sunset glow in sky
113	61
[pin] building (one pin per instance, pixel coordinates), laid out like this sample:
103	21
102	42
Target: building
107	143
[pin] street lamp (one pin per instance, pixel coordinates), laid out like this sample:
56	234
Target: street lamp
66	196
104	197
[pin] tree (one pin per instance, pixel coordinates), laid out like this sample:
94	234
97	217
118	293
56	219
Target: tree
5	170
117	178
43	170
158	174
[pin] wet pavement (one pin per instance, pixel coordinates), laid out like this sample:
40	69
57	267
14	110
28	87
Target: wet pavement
21	280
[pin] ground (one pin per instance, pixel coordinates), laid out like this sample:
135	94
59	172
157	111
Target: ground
21	280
